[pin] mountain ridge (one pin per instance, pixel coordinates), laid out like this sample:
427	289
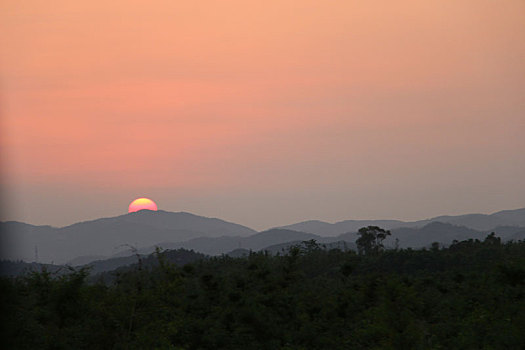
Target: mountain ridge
515	217
107	236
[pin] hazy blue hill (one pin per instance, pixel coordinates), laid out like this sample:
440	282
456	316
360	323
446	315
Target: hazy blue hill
167	221
164	220
511	217
277	236
6	225
508	232
327	230
479	222
106	236
355	225
113	236
312	226
278	241
18	241
111	264
210	245
443	233
85	259
349	236
222	245
474	221
482	222
273	240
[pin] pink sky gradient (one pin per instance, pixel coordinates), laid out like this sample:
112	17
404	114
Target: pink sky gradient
263	113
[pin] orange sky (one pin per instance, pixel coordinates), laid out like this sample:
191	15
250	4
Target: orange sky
262	112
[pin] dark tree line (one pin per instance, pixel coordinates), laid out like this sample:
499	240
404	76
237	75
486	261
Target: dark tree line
467	296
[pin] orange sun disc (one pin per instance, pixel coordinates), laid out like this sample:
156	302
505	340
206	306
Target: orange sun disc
142	203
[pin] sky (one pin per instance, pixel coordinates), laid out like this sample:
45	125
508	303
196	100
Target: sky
264	113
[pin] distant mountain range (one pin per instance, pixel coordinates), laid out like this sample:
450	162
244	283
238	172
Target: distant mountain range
277	240
107	236
480	222
100	239
225	244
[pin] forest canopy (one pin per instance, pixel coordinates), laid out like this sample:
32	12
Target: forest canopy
469	295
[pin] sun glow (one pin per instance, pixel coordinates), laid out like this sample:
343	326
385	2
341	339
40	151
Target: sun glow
142	203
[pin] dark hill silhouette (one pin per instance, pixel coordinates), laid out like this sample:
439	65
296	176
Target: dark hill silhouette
279	241
108	235
238	253
222	245
176	256
442	233
112	237
283	248
164	220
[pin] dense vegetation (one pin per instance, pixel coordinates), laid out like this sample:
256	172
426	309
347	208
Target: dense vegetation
467	296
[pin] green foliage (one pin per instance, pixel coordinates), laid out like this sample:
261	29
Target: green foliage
467	296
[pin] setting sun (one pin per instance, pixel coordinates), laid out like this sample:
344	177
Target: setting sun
142	203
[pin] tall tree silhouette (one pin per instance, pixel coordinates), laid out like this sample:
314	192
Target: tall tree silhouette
371	239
